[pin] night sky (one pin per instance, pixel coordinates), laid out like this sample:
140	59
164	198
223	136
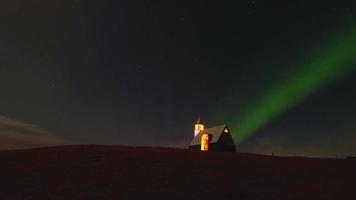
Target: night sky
142	72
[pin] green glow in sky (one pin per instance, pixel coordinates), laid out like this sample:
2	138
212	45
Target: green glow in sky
327	63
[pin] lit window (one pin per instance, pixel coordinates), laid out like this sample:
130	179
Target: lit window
205	142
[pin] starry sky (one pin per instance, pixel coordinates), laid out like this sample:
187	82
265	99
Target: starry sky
141	72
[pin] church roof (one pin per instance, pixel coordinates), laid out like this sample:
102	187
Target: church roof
215	132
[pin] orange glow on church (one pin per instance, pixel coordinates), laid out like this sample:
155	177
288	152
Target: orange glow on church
205	142
198	127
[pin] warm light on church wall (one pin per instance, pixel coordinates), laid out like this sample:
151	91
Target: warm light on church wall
198	128
205	142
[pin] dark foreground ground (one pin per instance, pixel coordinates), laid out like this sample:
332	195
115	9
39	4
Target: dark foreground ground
112	172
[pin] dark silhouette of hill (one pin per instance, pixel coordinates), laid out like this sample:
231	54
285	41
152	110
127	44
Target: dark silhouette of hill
114	172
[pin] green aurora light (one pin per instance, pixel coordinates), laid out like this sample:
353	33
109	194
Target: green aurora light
327	64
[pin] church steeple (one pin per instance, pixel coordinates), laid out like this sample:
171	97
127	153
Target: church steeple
199	126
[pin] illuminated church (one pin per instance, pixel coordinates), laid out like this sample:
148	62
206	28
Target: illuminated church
212	139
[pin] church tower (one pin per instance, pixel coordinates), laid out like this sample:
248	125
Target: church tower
198	127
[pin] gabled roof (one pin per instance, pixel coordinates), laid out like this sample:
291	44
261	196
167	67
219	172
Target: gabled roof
215	132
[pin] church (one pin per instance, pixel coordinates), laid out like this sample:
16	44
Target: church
216	138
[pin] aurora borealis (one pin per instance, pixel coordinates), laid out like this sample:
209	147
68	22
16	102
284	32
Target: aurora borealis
321	67
280	74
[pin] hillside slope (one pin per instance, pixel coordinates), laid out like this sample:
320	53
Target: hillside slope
113	172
